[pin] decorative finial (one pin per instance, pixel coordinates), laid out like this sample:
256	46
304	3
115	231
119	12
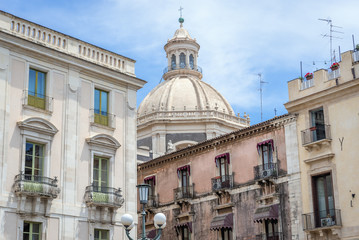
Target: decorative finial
181	20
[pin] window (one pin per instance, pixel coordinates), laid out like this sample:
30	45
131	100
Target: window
173	62
151	181
324	209
100	173
32	231
191	61
101	234
37	89
182	60
225	234
34	160
185	233
317	124
271	229
101	107
266	150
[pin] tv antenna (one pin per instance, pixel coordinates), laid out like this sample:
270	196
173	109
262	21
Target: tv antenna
261	92
331	31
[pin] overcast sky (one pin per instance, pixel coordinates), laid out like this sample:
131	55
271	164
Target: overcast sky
238	39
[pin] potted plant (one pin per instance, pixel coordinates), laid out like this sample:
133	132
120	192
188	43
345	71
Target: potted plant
334	66
309	76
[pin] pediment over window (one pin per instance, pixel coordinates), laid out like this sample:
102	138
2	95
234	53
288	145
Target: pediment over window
37	125
103	141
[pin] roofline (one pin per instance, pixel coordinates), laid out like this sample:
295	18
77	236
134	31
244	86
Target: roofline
269	124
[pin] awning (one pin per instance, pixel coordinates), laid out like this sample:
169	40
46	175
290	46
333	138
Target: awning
264	143
152	234
150	178
185	168
225	155
186	224
222	221
266	213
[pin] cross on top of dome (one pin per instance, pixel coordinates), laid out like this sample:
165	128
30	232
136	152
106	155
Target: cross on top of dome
181	20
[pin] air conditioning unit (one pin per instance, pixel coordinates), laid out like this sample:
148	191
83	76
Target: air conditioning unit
267	172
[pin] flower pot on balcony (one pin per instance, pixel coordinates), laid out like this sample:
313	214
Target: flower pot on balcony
309	76
334	66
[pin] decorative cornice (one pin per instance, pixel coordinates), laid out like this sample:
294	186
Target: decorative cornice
38	125
268	125
103	141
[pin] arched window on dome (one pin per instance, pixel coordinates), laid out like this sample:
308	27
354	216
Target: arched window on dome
182	60
173	62
191	61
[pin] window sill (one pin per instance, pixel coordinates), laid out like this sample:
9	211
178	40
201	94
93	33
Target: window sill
28	107
93	124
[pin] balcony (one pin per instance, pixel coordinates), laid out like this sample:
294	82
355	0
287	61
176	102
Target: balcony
267	170
103	196
270	236
152	201
222	182
316	136
334	74
37	186
322	220
306	84
103	119
183	66
182	193
37	101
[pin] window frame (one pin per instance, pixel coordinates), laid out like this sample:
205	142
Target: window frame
31	233
99	116
99	180
183	233
33	156
267	148
111	165
100	231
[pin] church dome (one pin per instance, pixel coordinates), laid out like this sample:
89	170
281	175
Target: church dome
181	33
184	93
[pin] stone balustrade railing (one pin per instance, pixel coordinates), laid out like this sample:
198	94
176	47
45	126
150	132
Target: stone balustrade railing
193	115
64	43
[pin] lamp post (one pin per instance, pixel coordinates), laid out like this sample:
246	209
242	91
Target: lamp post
159	219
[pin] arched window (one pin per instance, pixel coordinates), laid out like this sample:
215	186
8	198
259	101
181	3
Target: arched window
182	60
191	61
173	62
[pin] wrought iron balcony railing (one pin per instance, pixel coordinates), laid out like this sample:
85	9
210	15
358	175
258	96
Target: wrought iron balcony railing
152	201
184	66
321	219
37	100
222	182
183	193
103	196
265	171
270	236
103	118
34	185
316	133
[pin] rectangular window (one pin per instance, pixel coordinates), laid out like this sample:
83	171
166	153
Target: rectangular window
34	160
225	234
317	124
101	107
323	200
37	89
267	155
100	173
32	231
185	233
271	228
151	190
101	234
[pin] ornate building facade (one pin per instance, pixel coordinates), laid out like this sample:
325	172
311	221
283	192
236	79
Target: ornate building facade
326	104
183	110
63	138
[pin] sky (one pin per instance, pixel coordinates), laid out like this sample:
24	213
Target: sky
239	39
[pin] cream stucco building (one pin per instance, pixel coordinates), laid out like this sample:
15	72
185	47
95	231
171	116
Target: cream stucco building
67	135
183	110
327	128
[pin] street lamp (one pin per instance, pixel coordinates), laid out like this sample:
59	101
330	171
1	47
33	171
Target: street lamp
159	219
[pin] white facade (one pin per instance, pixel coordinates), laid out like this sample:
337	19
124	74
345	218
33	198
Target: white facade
66	108
183	110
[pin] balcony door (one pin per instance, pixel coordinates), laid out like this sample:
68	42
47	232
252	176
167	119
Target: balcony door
100	174
34	159
267	156
184	177
271	229
317	124
324	209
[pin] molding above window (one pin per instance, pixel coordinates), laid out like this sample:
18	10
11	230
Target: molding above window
101	141
37	125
